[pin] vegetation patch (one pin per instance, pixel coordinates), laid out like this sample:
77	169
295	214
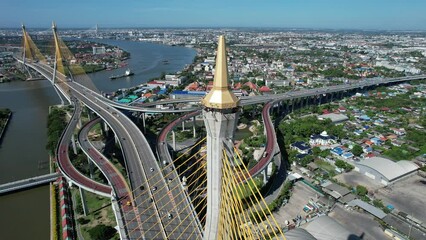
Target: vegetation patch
56	123
100	214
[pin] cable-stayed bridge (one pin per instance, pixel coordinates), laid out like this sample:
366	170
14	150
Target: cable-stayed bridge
157	204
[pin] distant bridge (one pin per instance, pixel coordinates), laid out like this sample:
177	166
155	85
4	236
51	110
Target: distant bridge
28	183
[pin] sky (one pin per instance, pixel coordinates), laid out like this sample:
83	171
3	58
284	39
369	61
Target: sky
321	14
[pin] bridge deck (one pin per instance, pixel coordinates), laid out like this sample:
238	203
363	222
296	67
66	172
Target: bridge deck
28	183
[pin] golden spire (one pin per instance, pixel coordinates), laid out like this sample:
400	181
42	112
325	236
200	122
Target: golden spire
221	96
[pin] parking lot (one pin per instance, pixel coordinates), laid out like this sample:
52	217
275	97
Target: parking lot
358	223
407	195
299	198
355	178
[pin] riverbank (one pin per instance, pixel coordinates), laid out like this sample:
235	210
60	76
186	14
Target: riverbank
5	116
30	101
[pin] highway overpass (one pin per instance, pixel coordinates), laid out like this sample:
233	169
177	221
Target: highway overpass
28	183
139	158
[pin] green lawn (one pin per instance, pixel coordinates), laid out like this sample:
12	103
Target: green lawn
96	215
325	165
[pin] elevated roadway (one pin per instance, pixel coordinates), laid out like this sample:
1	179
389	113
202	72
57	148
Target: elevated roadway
164	154
126	214
28	183
270	100
139	160
139	157
291	95
65	165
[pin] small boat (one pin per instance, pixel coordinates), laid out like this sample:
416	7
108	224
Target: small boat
126	74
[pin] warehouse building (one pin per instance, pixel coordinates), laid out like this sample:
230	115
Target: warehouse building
385	171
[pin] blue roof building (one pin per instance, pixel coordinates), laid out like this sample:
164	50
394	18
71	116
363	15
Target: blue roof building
364	118
337	151
376	141
187	94
347	155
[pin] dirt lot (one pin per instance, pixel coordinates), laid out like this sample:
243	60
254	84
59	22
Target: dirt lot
358	223
407	195
354	178
299	198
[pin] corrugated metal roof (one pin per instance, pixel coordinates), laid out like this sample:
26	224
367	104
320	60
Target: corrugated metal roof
299	234
368	207
326	228
388	168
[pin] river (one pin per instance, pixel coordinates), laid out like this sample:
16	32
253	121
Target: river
25	215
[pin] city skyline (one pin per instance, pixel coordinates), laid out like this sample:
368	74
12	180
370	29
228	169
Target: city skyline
326	14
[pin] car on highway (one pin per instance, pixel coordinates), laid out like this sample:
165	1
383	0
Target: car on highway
151	169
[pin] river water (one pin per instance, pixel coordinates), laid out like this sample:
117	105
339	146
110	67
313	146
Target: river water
25	215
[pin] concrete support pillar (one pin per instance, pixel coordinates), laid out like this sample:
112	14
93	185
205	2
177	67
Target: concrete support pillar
79	125
287	107
83	202
104	128
117	141
74	146
174	140
138	118
89	114
143	122
183	125
194	127
91	167
265	175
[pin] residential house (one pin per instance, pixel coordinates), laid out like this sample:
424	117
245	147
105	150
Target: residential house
321	139
399	131
301	147
337	151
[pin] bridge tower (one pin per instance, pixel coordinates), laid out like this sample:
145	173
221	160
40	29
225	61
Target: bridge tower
26	53
220	114
30	51
58	65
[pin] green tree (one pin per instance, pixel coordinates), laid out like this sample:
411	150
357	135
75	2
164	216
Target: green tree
344	165
102	232
316	151
361	190
357	150
324	153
